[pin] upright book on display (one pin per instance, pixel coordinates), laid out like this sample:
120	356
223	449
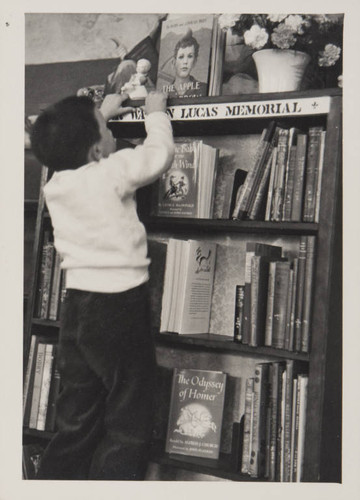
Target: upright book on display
185	55
196	412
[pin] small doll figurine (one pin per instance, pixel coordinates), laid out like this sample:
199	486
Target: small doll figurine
136	86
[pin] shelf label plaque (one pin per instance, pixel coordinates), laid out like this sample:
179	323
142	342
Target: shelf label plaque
229	110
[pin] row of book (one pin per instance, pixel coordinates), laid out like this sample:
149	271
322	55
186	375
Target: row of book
273	307
284	182
41	385
51	283
274	422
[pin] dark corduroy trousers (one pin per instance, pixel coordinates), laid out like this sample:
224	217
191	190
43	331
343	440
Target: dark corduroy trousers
107	366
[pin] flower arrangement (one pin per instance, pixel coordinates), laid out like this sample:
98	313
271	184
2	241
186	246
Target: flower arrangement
320	36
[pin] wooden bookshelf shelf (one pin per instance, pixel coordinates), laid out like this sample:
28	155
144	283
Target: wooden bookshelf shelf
222	468
226	226
221	343
38	434
46	323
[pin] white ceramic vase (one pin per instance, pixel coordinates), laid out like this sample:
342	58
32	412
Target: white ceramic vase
280	70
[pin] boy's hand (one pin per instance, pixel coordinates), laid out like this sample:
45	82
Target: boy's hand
112	106
155	101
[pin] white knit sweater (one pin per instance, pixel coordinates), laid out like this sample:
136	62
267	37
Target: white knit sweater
93	211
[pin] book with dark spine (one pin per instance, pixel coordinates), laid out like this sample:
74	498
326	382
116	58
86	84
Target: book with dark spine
300	292
299	177
312	171
239	312
308	286
282	274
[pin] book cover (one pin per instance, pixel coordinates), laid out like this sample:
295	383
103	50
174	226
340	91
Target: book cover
188	286
195	303
229	272
176	192
196	411
184	55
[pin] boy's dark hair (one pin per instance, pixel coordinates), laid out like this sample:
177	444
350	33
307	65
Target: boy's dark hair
64	132
187	41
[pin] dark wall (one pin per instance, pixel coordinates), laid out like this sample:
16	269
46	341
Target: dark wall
47	83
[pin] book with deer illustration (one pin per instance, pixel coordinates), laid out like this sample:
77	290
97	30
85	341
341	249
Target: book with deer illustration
196	413
188	285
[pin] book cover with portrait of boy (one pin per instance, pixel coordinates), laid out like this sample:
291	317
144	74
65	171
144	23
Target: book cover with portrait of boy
184	55
196	413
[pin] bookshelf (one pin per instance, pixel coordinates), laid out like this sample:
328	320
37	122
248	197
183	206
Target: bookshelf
238	118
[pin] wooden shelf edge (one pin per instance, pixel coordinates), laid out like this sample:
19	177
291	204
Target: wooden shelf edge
222	467
222	343
222	225
46	322
38	434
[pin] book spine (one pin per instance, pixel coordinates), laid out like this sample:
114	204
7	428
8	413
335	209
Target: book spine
281	428
297	201
300	292
275	387
271	185
254	300
282	274
296	431
50	422
55	289
303	383
278	198
293	429
270	304
40	356
258	453
45	387
308	285
319	180
312	167
248	414
289	186
29	368
293	304
45	299
41	275
239	312
288	419
288	311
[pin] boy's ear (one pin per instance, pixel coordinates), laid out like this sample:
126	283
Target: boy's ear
95	153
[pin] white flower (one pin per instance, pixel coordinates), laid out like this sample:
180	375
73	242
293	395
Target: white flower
296	23
276	18
283	37
227	21
256	37
329	55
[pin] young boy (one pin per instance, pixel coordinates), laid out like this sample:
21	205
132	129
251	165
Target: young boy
106	354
